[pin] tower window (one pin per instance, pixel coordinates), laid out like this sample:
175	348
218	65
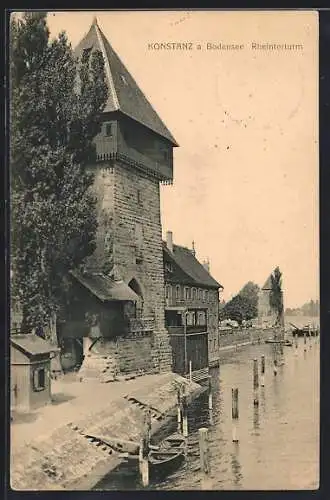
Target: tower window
108	129
177	292
169	267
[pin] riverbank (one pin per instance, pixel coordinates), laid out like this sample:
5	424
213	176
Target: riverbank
49	453
243	337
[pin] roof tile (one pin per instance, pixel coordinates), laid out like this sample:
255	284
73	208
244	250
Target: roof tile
124	93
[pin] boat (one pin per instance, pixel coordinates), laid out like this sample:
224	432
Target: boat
285	342
306	330
169	455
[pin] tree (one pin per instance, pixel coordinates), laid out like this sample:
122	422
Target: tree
276	296
250	292
55	106
239	308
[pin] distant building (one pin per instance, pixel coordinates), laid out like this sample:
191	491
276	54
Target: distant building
118	313
266	314
191	309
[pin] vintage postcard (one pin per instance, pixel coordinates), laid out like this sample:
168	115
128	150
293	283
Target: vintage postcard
164	260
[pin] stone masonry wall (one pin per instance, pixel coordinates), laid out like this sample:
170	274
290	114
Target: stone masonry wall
135	354
103	189
137	232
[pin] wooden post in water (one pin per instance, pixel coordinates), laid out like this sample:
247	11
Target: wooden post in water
275	366
190	371
144	450
296	340
255	383
310	336
179	410
304	340
262	376
184	414
234	414
281	353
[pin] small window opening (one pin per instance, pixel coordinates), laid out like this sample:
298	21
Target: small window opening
39	379
108	129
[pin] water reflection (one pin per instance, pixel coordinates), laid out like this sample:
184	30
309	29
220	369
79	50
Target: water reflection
278	440
256	419
236	467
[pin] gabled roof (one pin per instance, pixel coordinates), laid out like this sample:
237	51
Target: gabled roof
31	345
105	288
188	263
268	283
124	93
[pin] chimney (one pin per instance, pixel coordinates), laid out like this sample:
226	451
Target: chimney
169	240
206	265
193	251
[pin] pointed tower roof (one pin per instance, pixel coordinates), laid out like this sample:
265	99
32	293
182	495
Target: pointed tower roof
268	283
124	93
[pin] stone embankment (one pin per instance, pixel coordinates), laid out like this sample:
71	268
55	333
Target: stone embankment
229	339
48	450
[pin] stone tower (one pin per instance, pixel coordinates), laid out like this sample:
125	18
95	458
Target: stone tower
134	155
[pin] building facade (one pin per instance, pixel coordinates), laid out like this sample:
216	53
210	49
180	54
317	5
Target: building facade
266	314
191	309
30	363
121	289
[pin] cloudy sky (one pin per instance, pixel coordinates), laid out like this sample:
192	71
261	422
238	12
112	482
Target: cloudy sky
246	172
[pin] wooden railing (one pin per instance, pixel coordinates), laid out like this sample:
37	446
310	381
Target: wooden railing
141	326
179	330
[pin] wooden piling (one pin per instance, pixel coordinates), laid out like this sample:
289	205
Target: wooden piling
190	371
210	394
275	366
143	463
234	413
296	340
262	376
304	340
184	415
204	450
144	450
255	382
179	411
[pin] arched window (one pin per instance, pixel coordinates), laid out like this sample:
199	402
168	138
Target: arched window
194	293
177	292
168	291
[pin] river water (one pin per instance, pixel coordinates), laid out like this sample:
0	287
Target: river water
278	446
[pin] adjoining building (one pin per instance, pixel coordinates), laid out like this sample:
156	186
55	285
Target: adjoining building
117	314
191	309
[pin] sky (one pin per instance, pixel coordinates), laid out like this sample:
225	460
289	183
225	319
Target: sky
245	184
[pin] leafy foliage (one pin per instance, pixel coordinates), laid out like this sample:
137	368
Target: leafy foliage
55	106
243	306
276	295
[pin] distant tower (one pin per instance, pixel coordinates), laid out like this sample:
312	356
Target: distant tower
134	155
266	314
